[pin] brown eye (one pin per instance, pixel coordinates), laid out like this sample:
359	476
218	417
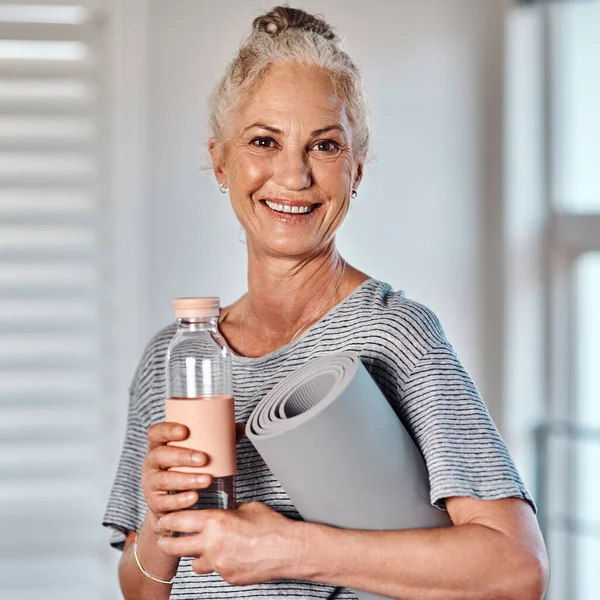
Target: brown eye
263	142
327	147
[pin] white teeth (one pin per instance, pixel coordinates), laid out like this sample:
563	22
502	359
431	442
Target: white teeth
286	208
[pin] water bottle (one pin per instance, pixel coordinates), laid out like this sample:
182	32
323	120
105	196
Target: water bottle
200	396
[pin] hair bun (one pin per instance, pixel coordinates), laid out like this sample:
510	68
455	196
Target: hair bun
281	18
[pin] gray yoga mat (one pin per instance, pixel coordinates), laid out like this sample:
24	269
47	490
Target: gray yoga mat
338	449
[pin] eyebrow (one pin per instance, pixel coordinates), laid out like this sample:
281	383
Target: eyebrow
333	127
265	127
276	131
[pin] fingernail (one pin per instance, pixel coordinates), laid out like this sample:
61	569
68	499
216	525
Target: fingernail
202	479
198	458
178	431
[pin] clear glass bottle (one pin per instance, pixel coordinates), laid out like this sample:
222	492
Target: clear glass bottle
200	396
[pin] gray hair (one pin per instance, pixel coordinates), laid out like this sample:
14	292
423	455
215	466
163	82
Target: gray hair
285	36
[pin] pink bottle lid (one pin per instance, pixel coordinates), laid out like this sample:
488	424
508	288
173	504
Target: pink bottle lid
188	308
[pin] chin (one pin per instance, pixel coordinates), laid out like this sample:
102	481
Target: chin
289	247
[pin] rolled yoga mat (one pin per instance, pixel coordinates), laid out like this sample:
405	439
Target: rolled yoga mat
339	450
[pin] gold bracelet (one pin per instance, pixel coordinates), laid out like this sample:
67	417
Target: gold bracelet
137	560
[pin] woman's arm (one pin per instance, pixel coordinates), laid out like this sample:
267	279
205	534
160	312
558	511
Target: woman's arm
494	552
134	584
157	481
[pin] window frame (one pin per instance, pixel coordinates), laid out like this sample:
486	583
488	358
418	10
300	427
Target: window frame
569	236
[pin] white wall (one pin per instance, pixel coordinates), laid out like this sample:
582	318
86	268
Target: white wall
428	216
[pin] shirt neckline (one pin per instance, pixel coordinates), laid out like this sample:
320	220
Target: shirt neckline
238	358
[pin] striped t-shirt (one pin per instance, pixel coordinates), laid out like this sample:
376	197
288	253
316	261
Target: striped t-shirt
403	346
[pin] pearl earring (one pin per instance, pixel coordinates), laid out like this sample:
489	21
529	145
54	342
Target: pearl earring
354	193
223	187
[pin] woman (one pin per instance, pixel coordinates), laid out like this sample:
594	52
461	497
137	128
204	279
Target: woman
290	137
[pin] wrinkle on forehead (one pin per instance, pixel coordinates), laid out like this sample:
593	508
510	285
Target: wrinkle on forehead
291	97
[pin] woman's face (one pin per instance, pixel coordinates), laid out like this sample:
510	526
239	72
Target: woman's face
289	147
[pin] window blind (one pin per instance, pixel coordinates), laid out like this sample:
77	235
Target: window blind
55	286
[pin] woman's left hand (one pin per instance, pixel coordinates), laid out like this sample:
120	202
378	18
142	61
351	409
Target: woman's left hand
251	544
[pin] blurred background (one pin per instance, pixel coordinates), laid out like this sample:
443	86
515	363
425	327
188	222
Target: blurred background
483	202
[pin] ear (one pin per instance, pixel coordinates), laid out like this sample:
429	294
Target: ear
218	160
359	175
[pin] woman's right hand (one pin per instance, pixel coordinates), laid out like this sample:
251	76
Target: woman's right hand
158	481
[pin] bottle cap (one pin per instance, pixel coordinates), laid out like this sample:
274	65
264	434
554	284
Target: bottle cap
188	308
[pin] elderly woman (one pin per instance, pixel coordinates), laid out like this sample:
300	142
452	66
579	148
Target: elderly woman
290	138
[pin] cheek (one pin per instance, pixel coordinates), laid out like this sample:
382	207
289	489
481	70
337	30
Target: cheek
249	172
334	175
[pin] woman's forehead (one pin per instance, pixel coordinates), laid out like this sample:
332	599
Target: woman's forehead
294	94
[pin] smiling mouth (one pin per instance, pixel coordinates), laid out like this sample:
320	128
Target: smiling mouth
286	208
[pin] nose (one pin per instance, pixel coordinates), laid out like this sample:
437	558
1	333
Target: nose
292	169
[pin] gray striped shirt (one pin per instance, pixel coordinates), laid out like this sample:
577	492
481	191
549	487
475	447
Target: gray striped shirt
403	346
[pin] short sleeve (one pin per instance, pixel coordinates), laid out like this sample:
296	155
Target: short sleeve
126	507
450	423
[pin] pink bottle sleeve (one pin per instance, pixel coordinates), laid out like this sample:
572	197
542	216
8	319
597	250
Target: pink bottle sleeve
211	421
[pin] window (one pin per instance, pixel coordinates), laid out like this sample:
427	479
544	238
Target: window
56	325
570	442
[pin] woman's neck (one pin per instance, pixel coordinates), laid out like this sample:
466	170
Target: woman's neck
285	294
